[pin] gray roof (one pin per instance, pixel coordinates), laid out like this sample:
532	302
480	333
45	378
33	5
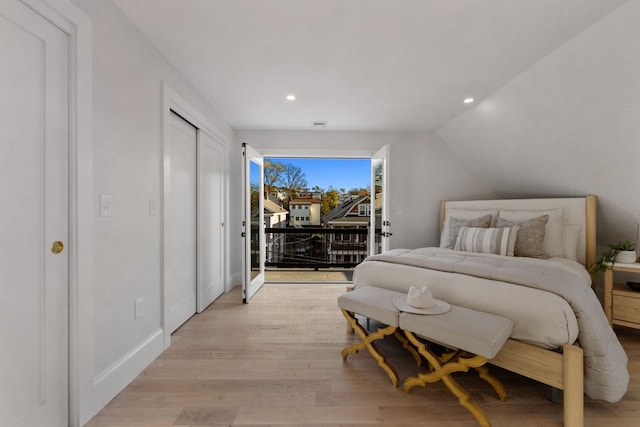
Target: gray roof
342	210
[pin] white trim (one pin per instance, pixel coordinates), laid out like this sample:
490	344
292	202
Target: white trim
173	101
78	27
332	153
112	380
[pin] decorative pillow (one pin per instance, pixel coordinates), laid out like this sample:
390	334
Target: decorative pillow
500	241
456	223
530	239
553	234
570	237
445	240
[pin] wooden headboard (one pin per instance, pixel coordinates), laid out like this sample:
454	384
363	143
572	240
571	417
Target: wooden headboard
575	211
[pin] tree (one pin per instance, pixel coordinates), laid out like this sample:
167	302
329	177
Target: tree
359	191
292	180
378	179
330	200
272	175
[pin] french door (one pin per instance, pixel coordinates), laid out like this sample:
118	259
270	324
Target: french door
379	202
253	223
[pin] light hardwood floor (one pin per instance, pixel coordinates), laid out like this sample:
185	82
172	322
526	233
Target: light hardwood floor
276	362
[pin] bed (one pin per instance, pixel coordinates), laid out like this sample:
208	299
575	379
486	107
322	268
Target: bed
525	259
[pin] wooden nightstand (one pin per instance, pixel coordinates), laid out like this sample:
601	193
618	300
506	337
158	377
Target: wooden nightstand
621	304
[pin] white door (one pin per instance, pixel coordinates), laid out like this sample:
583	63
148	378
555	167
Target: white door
253	223
34	144
180	223
210	219
379	202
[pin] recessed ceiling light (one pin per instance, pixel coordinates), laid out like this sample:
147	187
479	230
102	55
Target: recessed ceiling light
291	97
468	100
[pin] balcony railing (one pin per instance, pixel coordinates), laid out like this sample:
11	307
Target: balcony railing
317	247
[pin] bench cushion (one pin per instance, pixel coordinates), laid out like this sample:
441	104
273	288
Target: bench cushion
372	302
461	328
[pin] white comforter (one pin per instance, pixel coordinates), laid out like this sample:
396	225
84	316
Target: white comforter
553	305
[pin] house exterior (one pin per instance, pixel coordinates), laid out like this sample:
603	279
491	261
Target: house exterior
304	211
352	213
275	216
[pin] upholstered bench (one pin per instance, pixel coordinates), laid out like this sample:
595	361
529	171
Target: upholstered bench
475	337
471	337
374	303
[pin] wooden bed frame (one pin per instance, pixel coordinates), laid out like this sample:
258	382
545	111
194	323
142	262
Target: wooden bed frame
565	370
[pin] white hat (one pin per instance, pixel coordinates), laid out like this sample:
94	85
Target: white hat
420	301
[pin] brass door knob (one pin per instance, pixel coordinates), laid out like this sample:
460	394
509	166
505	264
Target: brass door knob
57	247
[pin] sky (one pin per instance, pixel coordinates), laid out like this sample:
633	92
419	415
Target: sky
339	173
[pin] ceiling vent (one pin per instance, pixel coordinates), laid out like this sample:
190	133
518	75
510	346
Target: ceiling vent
318	124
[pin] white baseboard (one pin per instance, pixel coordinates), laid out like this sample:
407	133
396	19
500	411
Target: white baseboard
108	383
234	280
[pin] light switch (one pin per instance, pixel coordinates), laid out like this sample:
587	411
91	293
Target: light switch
153	207
105	205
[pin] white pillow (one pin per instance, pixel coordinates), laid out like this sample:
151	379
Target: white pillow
445	239
553	246
570	237
499	241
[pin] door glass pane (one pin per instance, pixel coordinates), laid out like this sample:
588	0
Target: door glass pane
378	203
256	194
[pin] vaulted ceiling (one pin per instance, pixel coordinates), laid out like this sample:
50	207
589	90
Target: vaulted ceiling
357	64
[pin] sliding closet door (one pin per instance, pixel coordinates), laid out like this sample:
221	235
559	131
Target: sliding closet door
180	223
210	219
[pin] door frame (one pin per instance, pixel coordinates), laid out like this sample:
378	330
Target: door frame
173	101
329	153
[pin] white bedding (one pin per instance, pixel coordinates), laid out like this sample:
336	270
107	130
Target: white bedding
549	301
545	320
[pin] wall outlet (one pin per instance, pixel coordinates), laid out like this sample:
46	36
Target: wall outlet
139	308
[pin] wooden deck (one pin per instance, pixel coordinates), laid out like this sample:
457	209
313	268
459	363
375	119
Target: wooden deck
277	362
299	275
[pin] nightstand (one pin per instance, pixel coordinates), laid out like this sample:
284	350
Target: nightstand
621	304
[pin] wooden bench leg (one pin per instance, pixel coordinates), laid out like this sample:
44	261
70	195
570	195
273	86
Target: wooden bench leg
443	372
408	347
483	372
495	383
368	343
349	327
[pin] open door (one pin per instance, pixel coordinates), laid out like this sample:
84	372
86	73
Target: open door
253	223
379	202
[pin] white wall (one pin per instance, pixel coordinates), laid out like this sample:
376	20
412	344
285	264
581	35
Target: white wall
128	76
570	125
422	172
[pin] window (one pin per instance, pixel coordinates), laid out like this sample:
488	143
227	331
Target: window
364	210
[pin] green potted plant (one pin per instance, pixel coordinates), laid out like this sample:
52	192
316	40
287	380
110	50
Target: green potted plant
622	252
